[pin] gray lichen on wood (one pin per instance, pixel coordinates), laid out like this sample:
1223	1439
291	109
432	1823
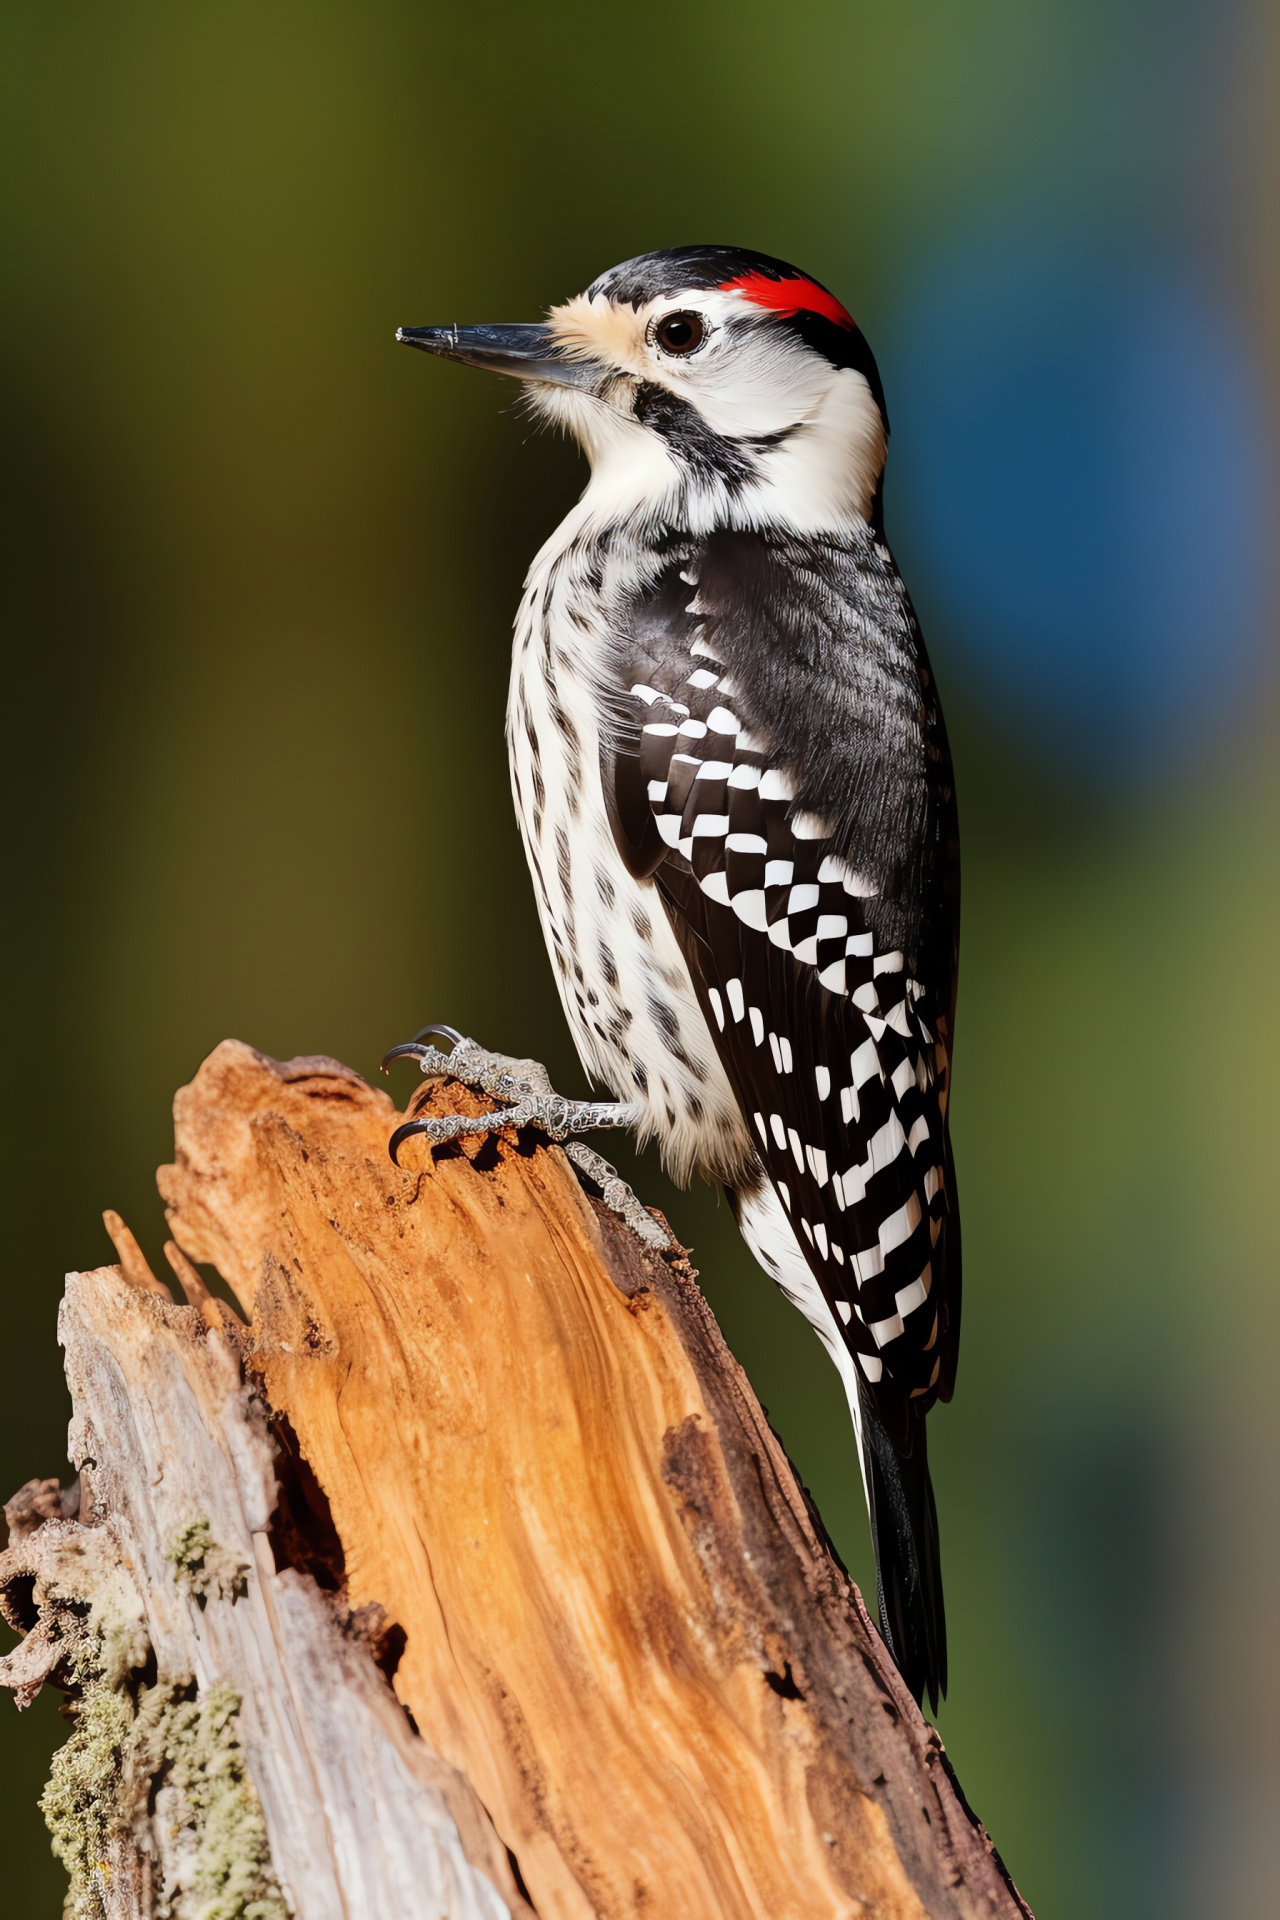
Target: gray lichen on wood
208	1822
203	1565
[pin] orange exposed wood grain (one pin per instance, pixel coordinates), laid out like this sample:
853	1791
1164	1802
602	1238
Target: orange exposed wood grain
623	1623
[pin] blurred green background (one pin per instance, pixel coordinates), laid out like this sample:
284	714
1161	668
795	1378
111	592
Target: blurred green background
260	568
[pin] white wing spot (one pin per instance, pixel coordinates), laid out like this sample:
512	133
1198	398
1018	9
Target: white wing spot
757	1025
734	990
885	1144
822	1080
809	826
864	1064
907	1299
867	1265
899	1227
883	1331
717	1007
776	786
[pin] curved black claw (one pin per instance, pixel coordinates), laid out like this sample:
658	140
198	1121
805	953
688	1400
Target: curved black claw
450	1033
401	1134
408	1047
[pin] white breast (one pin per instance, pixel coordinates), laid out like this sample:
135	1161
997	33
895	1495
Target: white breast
623	982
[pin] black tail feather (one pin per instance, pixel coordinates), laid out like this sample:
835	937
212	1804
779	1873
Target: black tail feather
904	1531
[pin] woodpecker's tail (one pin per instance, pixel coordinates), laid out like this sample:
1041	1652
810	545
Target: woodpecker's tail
904	1521
904	1531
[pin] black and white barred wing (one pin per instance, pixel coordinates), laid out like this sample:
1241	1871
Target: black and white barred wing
838	1055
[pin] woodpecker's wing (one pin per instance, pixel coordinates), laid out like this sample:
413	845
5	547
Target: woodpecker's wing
779	766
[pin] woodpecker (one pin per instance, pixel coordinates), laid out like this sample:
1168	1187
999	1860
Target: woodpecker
736	796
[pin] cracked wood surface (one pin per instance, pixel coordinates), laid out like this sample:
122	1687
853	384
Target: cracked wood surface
362	1819
622	1624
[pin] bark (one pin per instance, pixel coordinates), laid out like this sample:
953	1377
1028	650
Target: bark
476	1444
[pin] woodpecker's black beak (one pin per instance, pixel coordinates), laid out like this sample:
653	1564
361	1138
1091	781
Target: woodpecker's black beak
527	352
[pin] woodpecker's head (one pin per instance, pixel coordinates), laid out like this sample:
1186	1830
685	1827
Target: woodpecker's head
707	385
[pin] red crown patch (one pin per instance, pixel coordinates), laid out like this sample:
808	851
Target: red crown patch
788	297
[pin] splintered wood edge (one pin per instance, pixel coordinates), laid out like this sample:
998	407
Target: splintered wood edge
871	1741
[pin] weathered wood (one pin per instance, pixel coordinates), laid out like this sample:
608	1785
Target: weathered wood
237	1748
519	1434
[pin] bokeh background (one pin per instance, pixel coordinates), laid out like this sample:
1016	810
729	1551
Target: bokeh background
260	567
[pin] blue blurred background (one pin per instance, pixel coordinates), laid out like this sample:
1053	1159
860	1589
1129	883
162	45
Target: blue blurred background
260	567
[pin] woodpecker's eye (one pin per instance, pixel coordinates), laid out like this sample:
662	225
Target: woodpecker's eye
680	332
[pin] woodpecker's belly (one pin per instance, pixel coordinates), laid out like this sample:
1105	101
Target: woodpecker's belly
622	979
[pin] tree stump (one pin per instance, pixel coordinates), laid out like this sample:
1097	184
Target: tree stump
464	1577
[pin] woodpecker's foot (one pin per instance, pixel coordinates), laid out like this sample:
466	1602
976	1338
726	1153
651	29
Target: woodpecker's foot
617	1195
530	1101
